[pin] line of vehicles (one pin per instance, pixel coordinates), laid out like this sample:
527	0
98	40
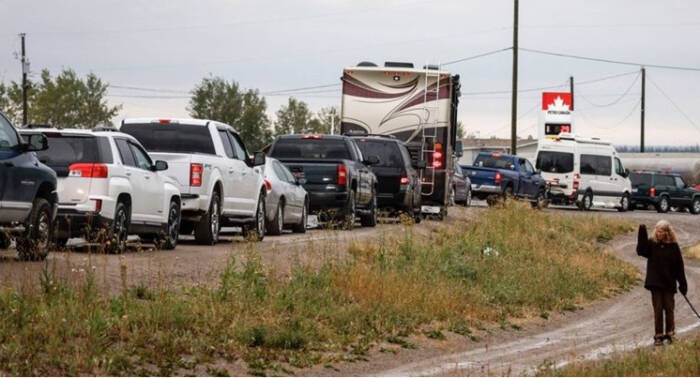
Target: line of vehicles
160	178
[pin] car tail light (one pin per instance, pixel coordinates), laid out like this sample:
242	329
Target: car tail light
404	179
437	156
196	171
164	121
342	175
268	185
88	170
312	136
98	205
576	182
498	178
652	192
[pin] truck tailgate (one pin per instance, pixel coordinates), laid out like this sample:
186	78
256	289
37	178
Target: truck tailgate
480	176
178	168
315	173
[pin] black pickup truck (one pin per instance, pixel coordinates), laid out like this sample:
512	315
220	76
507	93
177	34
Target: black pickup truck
334	173
28	197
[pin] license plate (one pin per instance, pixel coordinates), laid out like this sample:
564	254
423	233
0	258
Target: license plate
635	190
311	221
430	209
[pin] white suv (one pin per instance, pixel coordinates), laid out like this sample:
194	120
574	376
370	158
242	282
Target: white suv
108	188
221	184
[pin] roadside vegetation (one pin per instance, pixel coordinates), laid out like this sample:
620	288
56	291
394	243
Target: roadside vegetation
692	252
512	263
681	359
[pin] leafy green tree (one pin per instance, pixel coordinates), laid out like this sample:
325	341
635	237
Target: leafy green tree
325	115
66	100
295	118
220	100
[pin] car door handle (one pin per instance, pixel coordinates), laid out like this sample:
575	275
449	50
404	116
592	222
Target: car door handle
147	177
231	171
128	173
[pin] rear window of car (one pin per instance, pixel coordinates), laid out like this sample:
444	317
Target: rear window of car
172	137
387	151
65	150
493	161
640	178
293	148
555	162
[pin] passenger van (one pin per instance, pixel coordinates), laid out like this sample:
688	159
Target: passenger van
586	172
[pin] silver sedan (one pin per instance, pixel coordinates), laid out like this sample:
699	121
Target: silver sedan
286	202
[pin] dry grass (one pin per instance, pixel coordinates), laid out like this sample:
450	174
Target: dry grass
692	252
335	311
680	359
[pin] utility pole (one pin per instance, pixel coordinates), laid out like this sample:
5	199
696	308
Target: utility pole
571	89
332	123
644	84
25	68
514	94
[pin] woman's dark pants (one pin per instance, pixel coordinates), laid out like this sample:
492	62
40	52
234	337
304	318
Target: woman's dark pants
663	303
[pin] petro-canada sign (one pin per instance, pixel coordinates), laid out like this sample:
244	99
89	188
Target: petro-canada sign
556	115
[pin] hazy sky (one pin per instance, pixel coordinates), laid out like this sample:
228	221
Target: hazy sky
169	45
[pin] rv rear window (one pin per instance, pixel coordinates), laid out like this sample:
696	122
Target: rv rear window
555	162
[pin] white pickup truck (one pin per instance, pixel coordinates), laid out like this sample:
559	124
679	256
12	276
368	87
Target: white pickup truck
220	184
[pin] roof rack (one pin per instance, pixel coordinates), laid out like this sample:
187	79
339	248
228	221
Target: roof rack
105	128
40	126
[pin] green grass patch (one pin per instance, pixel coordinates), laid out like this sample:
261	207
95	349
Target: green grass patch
681	359
384	292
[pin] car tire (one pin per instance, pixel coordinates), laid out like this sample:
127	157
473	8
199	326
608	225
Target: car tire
468	201
300	227
453	196
207	230
663	205
186	227
540	200
624	203
119	230
5	240
276	226
508	193
350	213
370	220
587	202
256	230
695	206
168	239
35	242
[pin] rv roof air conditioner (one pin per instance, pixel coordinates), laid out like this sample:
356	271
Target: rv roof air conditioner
366	64
398	64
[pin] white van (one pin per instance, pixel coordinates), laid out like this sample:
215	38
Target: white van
584	171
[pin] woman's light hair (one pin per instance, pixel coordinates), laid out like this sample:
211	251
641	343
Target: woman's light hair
667	235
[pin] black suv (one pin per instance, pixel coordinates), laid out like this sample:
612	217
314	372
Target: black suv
28	197
398	182
664	191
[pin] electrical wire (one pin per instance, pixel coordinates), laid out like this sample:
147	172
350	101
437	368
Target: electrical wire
617	99
476	56
581	57
673	103
134	88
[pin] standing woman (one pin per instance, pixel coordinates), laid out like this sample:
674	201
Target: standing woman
664	269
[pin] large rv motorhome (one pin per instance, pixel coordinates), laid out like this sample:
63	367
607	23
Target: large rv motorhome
417	106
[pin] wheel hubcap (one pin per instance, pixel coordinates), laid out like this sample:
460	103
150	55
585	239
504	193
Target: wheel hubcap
280	219
121	233
43	231
696	206
173	223
215	219
261	218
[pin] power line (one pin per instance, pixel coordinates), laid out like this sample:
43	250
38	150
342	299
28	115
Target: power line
617	99
477	56
674	104
300	89
144	89
535	51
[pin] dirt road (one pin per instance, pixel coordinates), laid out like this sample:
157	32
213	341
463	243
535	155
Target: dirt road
618	324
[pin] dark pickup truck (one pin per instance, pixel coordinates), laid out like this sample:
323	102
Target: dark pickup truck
664	191
334	173
497	175
28	197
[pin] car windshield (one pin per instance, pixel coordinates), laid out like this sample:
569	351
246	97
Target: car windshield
640	178
8	136
387	151
555	162
493	161
171	137
311	148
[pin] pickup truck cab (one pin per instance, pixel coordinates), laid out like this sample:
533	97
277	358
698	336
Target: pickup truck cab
502	175
108	188
220	184
27	194
335	174
663	191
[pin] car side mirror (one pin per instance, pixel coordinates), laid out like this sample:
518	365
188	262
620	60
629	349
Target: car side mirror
301	181
371	160
419	164
258	159
160	165
36	142
627	173
459	148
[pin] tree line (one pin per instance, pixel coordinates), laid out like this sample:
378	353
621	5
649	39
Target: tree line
68	100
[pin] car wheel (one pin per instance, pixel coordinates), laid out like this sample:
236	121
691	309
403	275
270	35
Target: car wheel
119	232
207	230
507	193
624	203
695	206
34	244
300	227
168	240
277	225
468	201
5	240
587	202
371	220
539	202
350	213
453	196
663	205
256	231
